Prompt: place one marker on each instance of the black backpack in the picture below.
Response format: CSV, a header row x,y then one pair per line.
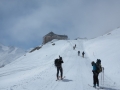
x,y
98,65
56,62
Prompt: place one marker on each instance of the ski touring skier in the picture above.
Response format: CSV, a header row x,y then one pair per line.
x,y
96,70
74,47
83,53
58,64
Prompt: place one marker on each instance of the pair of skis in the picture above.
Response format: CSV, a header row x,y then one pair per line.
x,y
96,87
59,78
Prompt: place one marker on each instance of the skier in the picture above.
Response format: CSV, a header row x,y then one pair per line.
x,y
95,74
78,53
58,64
75,45
83,54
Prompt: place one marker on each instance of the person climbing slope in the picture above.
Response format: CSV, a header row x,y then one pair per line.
x,y
95,75
97,68
58,64
83,53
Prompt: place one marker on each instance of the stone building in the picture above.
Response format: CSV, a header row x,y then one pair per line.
x,y
50,36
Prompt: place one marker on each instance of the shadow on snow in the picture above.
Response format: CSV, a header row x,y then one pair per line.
x,y
109,88
66,80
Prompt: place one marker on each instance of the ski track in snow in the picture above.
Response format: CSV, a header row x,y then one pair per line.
x,y
77,72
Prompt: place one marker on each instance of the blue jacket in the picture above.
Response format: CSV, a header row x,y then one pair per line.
x,y
94,67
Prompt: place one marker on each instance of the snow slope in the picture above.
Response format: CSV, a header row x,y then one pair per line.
x,y
9,54
36,70
106,48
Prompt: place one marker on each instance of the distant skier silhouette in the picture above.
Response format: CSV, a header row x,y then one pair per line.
x,y
83,53
74,47
78,53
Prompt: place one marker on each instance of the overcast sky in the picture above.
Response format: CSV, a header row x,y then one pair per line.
x,y
23,23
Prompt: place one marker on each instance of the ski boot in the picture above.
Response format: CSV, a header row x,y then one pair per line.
x,y
94,86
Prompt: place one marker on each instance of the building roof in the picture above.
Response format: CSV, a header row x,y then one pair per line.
x,y
51,34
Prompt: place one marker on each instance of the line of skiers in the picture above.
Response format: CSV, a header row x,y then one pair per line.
x,y
96,68
83,53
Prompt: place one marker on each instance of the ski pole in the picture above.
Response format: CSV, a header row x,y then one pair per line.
x,y
101,78
103,75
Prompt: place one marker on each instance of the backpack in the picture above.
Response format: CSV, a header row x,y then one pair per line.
x,y
98,65
56,62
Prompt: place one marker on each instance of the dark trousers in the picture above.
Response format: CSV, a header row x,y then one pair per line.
x,y
95,78
61,71
83,55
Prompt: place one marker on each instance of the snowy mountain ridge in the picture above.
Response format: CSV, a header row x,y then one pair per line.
x,y
36,70
9,54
